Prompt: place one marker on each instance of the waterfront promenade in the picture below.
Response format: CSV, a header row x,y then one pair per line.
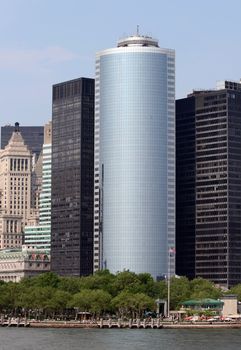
x,y
130,324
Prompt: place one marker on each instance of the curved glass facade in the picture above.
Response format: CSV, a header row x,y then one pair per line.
x,y
132,153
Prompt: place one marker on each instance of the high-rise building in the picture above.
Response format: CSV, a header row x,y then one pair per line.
x,y
72,177
39,236
185,187
15,190
134,219
33,137
209,184
37,170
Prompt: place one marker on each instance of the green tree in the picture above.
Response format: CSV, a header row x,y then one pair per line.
x,y
148,285
126,280
179,291
202,288
69,284
57,303
132,304
142,302
9,294
236,290
100,301
81,300
100,280
162,289
26,299
87,300
123,303
47,279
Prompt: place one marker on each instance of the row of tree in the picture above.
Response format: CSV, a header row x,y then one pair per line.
x,y
123,294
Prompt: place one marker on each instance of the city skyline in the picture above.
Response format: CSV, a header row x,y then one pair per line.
x,y
34,56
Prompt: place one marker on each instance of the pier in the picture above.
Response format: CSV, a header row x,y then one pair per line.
x,y
118,324
14,322
153,323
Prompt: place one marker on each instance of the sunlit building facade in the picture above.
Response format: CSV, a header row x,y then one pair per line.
x,y
134,219
39,236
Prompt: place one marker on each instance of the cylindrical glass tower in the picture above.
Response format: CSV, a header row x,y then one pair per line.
x,y
135,157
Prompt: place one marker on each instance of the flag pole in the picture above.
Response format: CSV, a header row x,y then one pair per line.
x,y
168,285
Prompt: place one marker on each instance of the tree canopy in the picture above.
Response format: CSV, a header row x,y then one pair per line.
x,y
124,294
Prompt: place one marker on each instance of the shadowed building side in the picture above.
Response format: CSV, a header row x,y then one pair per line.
x,y
72,177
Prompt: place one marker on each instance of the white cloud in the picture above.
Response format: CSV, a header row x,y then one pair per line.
x,y
29,60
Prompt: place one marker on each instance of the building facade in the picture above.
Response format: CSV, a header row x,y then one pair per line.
x,y
72,177
37,182
33,137
16,264
39,235
186,185
134,210
211,173
15,190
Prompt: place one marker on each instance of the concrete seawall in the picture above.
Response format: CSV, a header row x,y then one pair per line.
x,y
128,325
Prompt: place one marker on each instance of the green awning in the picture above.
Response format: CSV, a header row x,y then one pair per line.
x,y
204,302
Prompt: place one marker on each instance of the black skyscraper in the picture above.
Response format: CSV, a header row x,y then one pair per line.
x,y
185,194
33,136
209,184
72,177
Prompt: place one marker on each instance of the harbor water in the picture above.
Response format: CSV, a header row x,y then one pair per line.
x,y
119,339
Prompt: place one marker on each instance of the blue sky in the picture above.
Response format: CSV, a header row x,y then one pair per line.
x,y
43,42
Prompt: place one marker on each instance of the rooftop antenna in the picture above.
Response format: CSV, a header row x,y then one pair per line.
x,y
16,127
137,30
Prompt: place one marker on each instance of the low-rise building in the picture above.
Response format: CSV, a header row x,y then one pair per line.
x,y
23,262
230,305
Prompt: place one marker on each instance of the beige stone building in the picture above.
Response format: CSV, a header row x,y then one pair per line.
x,y
230,305
15,191
16,264
10,231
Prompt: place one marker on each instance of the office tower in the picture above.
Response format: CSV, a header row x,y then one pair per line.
x,y
134,222
185,186
33,137
39,235
72,177
209,184
15,190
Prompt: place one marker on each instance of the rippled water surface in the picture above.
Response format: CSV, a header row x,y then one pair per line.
x,y
118,339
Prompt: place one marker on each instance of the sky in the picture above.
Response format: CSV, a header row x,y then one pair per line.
x,y
43,42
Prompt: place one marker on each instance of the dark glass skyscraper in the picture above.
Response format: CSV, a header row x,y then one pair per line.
x,y
33,137
72,177
185,194
209,184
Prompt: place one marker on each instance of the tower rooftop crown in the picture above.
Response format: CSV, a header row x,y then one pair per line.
x,y
137,40
16,144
